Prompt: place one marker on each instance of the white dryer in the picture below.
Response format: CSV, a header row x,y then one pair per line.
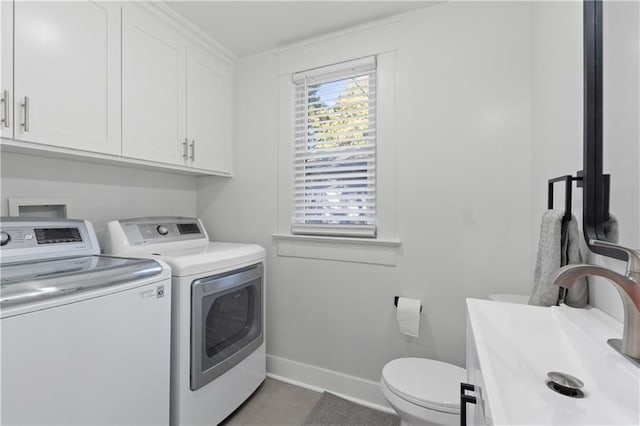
x,y
218,354
85,338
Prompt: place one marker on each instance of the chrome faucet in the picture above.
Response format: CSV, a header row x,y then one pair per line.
x,y
627,285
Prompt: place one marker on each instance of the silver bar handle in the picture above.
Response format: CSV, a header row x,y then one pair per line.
x,y
5,108
185,149
25,105
193,150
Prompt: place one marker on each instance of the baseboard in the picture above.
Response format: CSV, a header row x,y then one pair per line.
x,y
360,391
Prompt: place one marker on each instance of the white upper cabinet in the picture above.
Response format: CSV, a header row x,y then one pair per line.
x,y
153,89
209,109
176,97
127,83
67,74
6,73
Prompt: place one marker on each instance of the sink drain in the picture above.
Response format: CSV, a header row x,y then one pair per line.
x,y
565,384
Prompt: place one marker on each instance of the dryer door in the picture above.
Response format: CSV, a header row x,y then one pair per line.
x,y
226,322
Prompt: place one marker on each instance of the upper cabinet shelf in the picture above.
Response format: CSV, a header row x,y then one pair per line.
x,y
122,84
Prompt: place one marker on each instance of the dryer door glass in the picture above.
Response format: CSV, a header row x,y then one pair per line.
x,y
229,320
226,322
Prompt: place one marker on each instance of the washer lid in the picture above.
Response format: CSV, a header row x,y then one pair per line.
x,y
425,382
29,282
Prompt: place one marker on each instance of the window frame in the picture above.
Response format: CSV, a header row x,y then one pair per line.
x,y
377,39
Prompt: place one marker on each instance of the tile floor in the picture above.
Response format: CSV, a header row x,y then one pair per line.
x,y
275,403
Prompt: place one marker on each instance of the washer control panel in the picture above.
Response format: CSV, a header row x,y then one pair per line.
x,y
4,238
27,236
33,238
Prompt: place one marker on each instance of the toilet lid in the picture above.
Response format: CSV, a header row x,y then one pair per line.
x,y
425,382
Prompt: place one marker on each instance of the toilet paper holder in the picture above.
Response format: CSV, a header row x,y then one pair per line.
x,y
395,302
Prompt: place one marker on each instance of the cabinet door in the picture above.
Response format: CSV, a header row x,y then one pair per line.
x,y
153,89
209,109
6,72
67,74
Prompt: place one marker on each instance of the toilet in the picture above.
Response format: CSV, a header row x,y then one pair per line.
x,y
423,391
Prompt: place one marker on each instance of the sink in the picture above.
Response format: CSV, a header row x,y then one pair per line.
x,y
517,345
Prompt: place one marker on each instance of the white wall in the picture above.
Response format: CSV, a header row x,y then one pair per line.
x,y
556,90
98,192
463,196
557,95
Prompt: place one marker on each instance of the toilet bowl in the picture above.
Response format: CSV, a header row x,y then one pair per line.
x,y
423,391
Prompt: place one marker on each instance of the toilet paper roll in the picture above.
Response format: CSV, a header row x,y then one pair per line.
x,y
408,316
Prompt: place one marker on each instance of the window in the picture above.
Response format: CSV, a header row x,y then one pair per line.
x,y
334,176
297,235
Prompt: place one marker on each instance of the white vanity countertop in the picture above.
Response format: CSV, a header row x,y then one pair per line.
x,y
517,345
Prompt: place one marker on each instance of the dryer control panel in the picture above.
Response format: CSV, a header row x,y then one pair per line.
x,y
164,230
156,230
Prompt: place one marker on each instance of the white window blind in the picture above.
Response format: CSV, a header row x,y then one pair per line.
x,y
335,150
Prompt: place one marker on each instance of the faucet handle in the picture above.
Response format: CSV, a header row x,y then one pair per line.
x,y
633,264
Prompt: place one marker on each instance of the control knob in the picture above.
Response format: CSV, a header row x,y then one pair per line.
x,y
4,238
162,230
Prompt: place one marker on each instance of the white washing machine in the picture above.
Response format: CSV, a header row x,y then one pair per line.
x,y
85,338
218,354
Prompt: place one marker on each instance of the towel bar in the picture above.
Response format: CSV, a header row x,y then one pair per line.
x,y
567,179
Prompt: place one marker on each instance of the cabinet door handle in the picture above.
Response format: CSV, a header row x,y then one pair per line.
x,y
193,150
185,149
464,399
5,108
25,105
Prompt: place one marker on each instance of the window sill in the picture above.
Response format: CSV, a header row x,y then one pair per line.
x,y
342,249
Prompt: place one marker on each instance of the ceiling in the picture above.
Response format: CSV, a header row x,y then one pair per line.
x,y
248,27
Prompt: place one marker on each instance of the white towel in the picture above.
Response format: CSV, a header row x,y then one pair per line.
x,y
578,295
559,245
544,293
610,228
